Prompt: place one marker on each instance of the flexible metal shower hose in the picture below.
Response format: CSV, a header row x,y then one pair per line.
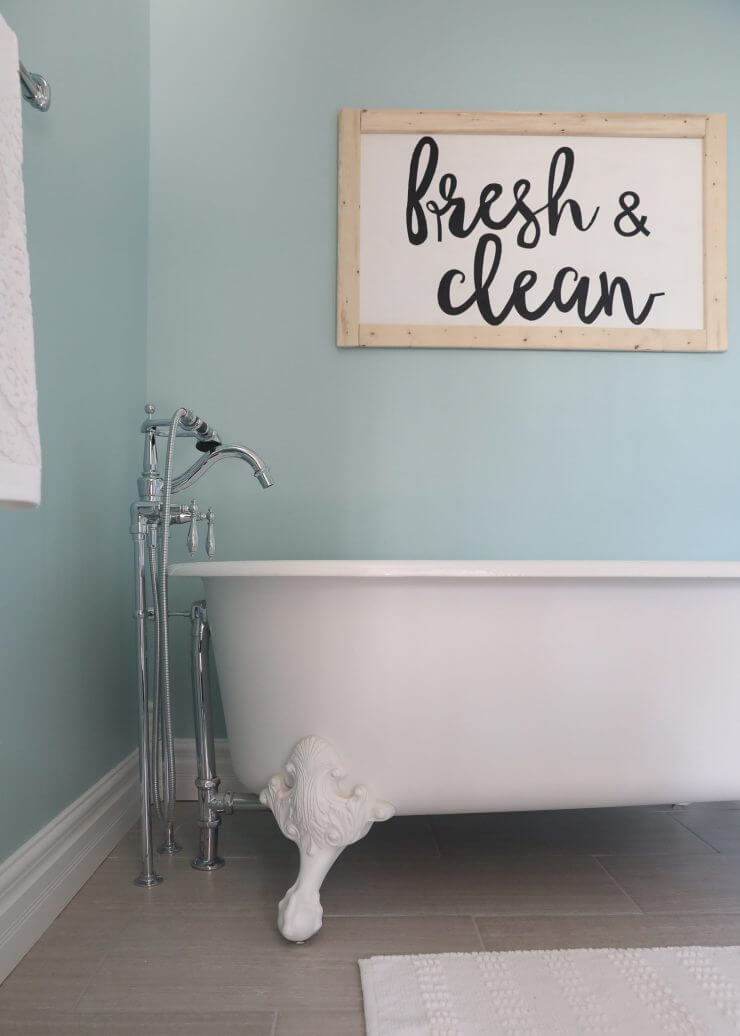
x,y
162,734
159,763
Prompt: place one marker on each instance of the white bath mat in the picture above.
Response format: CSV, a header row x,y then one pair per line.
x,y
689,989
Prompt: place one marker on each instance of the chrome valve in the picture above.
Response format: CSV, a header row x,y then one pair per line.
x,y
193,530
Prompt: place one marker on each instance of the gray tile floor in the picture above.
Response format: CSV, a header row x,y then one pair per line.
x,y
200,954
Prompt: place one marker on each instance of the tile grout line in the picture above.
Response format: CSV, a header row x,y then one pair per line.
x,y
703,840
435,841
624,891
96,971
478,932
93,975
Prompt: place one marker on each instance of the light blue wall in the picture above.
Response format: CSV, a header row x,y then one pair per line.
x,y
438,454
406,454
67,706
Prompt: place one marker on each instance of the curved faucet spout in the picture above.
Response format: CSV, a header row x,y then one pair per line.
x,y
197,470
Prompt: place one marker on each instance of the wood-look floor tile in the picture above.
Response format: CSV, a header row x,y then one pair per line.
x,y
46,982
584,831
237,936
392,887
470,885
249,834
719,827
123,960
241,937
719,804
679,807
248,886
679,884
286,980
509,885
552,933
163,1022
82,931
350,938
320,1023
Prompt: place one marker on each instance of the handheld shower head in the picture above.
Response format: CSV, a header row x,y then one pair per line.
x,y
207,436
208,445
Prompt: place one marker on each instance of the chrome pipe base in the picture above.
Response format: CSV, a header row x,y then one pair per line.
x,y
169,845
169,848
201,864
148,881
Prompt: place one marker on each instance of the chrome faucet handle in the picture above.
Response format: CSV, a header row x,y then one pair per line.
x,y
210,538
193,530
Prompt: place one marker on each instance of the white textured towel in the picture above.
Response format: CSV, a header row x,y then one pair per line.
x,y
687,989
20,454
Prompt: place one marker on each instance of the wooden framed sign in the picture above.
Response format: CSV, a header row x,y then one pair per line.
x,y
505,230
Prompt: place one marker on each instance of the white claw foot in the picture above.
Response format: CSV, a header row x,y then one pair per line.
x,y
313,811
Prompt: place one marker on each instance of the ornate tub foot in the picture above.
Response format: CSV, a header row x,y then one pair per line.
x,y
312,810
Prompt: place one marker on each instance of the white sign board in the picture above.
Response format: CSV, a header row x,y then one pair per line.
x,y
512,231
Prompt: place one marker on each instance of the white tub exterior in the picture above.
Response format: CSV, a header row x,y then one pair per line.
x,y
462,686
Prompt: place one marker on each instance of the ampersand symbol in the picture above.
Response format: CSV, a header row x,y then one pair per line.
x,y
629,200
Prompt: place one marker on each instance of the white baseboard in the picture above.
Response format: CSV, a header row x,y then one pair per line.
x,y
186,768
41,877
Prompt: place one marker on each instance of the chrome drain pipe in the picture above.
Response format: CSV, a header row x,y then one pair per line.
x,y
231,803
211,805
207,782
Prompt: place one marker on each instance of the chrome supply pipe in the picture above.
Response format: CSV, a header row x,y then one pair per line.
x,y
148,876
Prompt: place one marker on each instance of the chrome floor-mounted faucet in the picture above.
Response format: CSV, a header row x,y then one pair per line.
x,y
151,517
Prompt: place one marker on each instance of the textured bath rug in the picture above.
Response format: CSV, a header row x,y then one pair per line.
x,y
690,990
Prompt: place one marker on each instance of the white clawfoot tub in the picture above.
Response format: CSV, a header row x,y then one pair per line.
x,y
356,689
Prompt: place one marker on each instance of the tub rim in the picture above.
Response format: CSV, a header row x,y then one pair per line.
x,y
340,569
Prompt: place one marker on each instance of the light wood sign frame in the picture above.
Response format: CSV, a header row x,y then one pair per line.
x,y
708,332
